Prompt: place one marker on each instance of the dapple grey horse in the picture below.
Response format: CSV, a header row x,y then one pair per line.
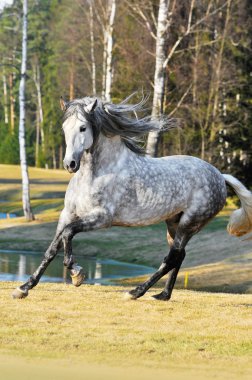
x,y
116,184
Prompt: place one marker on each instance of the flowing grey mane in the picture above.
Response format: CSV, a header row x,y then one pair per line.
x,y
119,120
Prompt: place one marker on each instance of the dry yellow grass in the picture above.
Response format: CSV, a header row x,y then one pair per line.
x,y
194,335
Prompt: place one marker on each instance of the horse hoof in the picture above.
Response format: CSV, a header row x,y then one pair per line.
x,y
78,276
163,296
128,296
19,293
132,295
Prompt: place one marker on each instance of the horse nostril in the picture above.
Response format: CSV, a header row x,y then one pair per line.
x,y
72,164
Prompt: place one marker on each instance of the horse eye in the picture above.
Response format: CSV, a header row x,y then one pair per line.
x,y
82,129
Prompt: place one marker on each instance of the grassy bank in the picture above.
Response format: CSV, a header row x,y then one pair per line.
x,y
204,333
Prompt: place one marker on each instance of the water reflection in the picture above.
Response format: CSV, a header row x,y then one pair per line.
x,y
4,215
17,266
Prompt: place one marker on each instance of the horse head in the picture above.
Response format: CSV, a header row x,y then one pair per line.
x,y
78,132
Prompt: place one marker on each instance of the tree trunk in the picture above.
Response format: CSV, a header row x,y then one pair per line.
x,y
107,54
37,139
160,73
61,157
54,158
12,104
24,169
93,65
218,73
71,81
6,115
40,115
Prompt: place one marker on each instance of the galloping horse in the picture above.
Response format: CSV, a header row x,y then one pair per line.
x,y
116,184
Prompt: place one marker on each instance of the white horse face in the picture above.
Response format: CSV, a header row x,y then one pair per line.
x,y
79,137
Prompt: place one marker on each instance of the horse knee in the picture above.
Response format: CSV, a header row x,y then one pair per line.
x,y
49,255
67,234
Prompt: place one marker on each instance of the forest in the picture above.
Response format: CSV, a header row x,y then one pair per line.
x,y
192,61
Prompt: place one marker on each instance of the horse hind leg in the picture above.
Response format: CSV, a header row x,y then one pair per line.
x,y
187,227
165,295
166,265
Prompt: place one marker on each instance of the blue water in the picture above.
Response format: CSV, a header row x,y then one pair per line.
x,y
4,215
19,265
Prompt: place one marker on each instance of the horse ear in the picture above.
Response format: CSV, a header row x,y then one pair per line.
x,y
90,107
63,104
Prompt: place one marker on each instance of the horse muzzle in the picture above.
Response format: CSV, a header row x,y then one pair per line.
x,y
72,166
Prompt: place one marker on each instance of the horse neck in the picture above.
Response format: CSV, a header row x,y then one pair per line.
x,y
108,154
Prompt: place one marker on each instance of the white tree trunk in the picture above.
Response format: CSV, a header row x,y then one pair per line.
x,y
37,139
40,116
6,116
93,65
160,70
12,103
108,41
24,169
218,72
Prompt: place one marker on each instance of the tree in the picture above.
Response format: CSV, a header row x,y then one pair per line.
x,y
160,72
22,146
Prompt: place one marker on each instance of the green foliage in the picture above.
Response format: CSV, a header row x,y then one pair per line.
x,y
9,147
59,45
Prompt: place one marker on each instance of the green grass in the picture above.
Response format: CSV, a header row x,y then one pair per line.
x,y
47,190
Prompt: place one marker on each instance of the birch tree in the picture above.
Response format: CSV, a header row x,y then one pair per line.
x,y
107,25
23,162
39,112
160,70
93,64
6,115
166,48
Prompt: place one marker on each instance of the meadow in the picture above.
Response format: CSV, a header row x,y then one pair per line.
x,y
60,331
92,328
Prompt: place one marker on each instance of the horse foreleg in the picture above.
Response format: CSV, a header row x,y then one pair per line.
x,y
76,271
22,291
95,220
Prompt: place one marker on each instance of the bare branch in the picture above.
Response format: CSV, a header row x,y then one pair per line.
x,y
180,101
199,46
191,28
137,9
190,17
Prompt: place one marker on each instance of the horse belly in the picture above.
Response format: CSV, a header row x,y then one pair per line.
x,y
147,209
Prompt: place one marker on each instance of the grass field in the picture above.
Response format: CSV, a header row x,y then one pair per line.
x,y
92,332
196,334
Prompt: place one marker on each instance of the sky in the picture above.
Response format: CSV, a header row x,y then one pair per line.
x,y
4,2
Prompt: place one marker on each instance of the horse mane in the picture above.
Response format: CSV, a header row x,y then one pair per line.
x,y
120,120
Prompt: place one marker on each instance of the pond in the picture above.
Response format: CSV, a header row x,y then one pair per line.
x,y
18,265
4,215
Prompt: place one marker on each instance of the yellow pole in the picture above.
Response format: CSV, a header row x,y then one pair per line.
x,y
186,280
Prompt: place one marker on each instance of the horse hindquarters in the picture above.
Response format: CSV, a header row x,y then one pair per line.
x,y
202,208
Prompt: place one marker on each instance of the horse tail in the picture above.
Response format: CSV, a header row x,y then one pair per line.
x,y
240,222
